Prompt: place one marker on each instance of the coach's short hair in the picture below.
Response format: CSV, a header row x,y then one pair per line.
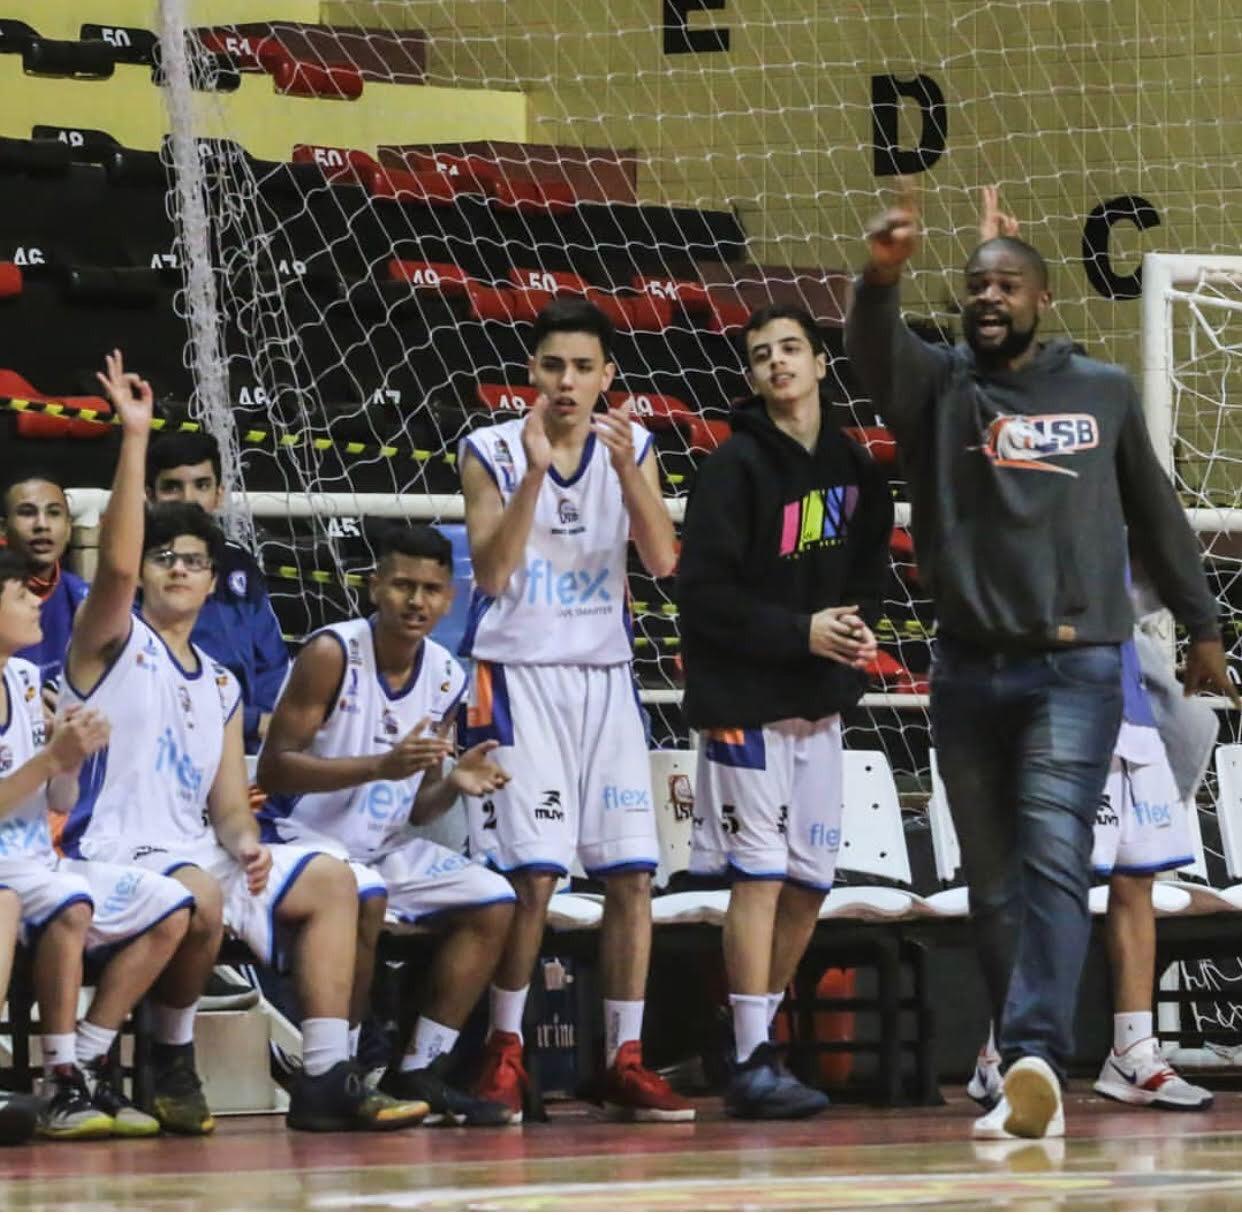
x,y
185,447
1028,254
416,540
166,521
572,314
782,312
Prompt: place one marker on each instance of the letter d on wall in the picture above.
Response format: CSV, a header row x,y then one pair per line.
x,y
886,94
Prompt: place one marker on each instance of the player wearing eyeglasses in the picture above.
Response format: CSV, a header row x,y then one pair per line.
x,y
170,793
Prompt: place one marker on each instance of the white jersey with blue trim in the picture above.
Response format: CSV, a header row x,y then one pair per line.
x,y
149,786
566,602
366,717
24,830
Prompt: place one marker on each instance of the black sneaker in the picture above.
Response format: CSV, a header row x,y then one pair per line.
x,y
69,1112
223,995
128,1122
19,1115
763,1088
449,1105
179,1103
341,1100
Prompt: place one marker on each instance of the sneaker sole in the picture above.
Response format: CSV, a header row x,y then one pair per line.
x,y
88,1130
1032,1101
1128,1095
627,1113
136,1130
325,1126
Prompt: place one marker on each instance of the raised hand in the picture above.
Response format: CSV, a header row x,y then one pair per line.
x,y
256,860
613,430
130,394
76,734
994,222
475,774
416,752
1207,671
840,634
893,236
535,442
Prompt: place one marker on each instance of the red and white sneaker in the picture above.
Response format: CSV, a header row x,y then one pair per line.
x,y
635,1094
503,1076
1141,1076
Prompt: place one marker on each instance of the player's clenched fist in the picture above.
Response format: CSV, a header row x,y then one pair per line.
x,y
893,236
76,734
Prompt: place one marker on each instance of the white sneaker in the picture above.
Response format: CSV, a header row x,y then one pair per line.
x,y
1030,1108
1141,1076
985,1085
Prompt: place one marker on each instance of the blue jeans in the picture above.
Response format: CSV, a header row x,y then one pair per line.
x,y
1023,743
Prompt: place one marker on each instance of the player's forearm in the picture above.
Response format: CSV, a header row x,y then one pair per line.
x,y
121,527
236,828
297,772
433,799
26,781
496,559
650,526
62,791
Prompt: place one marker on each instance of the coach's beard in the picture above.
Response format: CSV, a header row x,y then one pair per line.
x,y
1014,343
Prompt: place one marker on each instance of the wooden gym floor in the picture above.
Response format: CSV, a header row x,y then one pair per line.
x,y
853,1157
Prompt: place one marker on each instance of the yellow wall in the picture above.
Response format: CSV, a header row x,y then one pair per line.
x,y
1066,103
64,18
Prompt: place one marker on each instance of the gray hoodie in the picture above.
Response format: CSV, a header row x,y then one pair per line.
x,y
1022,485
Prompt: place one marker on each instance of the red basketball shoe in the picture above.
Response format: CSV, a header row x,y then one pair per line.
x,y
636,1094
503,1077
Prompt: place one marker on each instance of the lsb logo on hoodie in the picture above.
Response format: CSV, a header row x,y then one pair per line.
x,y
1022,440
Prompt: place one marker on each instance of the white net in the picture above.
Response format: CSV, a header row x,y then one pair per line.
x,y
381,250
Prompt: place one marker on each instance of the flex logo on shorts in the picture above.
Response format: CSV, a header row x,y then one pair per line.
x,y
818,520
823,836
1153,814
633,800
572,589
1022,441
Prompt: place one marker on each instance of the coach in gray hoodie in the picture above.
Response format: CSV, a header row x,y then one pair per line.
x,y
1027,463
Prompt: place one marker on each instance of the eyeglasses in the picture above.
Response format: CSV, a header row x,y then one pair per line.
x,y
166,558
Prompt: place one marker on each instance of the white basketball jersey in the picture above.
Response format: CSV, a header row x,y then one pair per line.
x,y
24,830
366,717
566,602
149,786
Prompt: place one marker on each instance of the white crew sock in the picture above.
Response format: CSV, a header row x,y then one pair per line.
x,y
325,1043
750,1023
173,1026
93,1041
58,1049
430,1041
507,1008
623,1022
775,1000
1129,1028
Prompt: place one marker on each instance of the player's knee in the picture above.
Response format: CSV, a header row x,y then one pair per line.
x,y
207,917
171,930
629,889
492,920
72,922
328,883
10,907
533,888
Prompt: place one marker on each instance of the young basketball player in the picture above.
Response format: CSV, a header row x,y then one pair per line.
x,y
552,500
353,758
170,794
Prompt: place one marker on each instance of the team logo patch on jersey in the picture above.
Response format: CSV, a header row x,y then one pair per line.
x,y
569,517
505,468
238,583
1022,441
183,699
390,722
6,758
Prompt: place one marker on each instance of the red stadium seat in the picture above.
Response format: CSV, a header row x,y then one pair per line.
x,y
338,164
507,396
298,79
434,189
878,440
886,670
442,276
555,282
48,426
249,52
658,411
691,296
505,304
643,313
524,194
901,544
10,280
727,311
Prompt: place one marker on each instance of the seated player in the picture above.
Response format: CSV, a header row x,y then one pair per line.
x,y
37,526
170,794
69,906
1141,828
552,500
237,625
353,763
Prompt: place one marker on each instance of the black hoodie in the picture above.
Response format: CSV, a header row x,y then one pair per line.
x,y
773,533
1022,487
